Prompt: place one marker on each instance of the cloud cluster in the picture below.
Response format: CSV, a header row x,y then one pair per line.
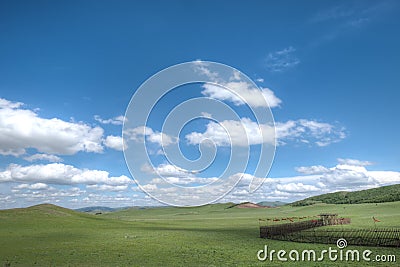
x,y
236,89
38,183
58,173
21,129
142,133
114,142
43,157
241,93
317,180
303,131
309,131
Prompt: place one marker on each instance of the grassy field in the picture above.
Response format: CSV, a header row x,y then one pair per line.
x,y
212,235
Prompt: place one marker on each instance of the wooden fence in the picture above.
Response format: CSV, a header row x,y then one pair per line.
x,y
311,231
379,237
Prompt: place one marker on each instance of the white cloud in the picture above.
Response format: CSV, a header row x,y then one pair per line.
x,y
342,177
282,60
36,186
309,131
149,187
319,180
119,120
318,169
4,103
339,177
106,187
238,133
114,142
58,173
242,92
166,170
349,175
175,175
137,134
47,157
206,114
230,131
354,162
236,89
186,180
296,187
21,129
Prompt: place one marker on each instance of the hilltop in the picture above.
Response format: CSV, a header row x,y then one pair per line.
x,y
388,193
272,203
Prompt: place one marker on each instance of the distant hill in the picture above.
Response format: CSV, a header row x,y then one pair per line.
x,y
388,193
244,205
95,209
271,203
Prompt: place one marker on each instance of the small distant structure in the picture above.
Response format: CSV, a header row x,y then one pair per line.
x,y
305,231
329,218
98,213
333,219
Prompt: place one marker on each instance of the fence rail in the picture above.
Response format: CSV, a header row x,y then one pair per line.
x,y
308,233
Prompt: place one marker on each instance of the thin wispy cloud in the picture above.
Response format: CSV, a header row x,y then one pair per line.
x,y
282,60
347,17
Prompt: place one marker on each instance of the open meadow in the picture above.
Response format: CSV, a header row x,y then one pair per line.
x,y
212,235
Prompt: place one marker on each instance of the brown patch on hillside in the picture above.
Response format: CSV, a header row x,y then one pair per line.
x,y
251,205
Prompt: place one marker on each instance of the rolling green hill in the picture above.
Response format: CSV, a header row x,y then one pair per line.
x,y
375,195
271,203
211,235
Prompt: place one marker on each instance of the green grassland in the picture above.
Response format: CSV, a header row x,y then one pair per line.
x,y
212,235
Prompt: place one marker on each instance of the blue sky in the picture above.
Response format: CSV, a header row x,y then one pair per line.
x,y
68,70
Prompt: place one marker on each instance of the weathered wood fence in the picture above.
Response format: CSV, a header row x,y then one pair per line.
x,y
378,237
310,231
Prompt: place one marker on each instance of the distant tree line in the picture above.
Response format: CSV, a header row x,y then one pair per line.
x,y
375,195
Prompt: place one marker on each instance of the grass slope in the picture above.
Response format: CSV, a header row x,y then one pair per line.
x,y
212,235
375,195
271,203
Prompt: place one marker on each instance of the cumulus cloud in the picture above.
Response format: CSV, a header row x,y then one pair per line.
x,y
184,180
119,120
36,186
242,93
318,169
4,103
175,175
141,133
317,180
61,174
342,177
44,157
349,174
247,132
238,133
166,170
236,89
114,142
328,179
21,129
106,187
309,131
296,187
